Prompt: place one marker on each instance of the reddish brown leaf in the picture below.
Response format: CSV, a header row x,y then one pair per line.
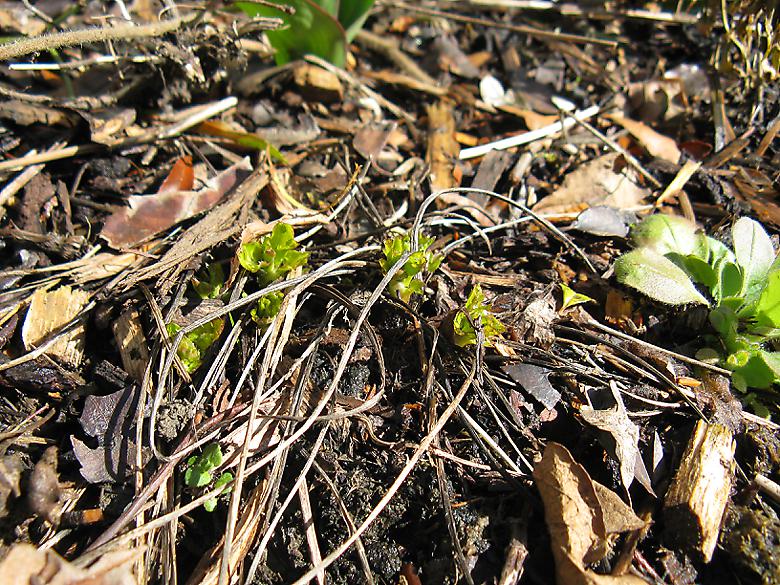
x,y
181,177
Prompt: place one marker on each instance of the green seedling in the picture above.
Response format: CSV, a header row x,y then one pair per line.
x,y
476,312
674,263
571,298
267,308
210,284
196,343
199,470
272,256
319,27
408,280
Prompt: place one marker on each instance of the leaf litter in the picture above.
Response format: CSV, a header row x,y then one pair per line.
x,y
361,439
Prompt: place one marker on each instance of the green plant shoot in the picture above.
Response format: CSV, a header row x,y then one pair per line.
x,y
674,263
209,285
476,312
196,343
570,298
408,280
199,470
320,27
267,308
272,256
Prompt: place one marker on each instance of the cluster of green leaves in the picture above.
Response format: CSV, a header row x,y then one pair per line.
x,y
319,27
476,312
267,308
272,256
674,263
408,280
196,343
210,284
199,474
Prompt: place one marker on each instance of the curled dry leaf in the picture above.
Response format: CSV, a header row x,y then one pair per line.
x,y
26,565
657,144
581,517
10,473
148,215
595,183
534,380
624,435
107,419
43,487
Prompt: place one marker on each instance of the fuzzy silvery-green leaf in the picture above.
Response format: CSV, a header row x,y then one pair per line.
x,y
755,254
669,233
657,277
718,251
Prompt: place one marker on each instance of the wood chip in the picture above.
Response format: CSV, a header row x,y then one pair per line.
x,y
697,498
48,312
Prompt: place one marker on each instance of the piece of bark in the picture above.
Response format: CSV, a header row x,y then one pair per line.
x,y
697,498
490,170
48,312
132,344
317,84
443,149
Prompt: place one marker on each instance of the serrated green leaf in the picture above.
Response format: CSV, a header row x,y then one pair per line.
x,y
669,233
310,30
657,277
755,254
572,297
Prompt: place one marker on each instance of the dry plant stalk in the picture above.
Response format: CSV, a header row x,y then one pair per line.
x,y
89,35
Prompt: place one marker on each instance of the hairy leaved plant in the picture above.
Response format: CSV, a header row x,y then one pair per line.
x,y
677,264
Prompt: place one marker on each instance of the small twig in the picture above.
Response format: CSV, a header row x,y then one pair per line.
x,y
526,137
89,35
527,30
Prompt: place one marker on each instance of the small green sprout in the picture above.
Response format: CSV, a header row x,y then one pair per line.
x,y
199,472
572,298
407,281
676,264
476,312
209,285
196,343
272,256
267,308
321,27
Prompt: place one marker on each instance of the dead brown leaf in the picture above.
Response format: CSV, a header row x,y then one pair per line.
x,y
26,565
657,144
580,525
148,215
595,183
